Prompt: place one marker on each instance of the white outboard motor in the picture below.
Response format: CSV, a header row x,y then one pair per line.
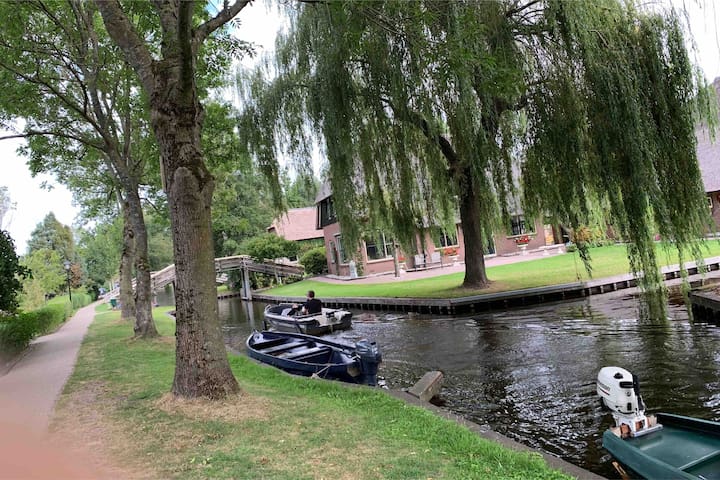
x,y
619,391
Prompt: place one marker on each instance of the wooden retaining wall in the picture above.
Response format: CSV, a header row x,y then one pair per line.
x,y
500,300
705,306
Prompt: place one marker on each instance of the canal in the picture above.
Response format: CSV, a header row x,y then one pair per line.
x,y
530,373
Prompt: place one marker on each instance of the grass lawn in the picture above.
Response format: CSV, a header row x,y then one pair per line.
x,y
567,268
281,427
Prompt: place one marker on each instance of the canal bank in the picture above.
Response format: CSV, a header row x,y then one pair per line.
x,y
529,372
487,433
502,300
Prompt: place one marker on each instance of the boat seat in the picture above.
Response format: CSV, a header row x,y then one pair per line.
x,y
308,352
285,346
269,343
703,459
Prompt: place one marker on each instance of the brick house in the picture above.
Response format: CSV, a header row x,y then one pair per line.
x,y
298,225
376,252
708,154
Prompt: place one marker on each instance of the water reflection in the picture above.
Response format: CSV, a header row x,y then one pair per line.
x,y
529,373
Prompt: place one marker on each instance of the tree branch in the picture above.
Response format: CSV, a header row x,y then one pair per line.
x,y
126,37
519,8
225,15
54,133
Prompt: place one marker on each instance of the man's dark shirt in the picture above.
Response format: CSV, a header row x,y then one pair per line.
x,y
313,305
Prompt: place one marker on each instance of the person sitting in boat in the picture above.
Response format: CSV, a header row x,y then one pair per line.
x,y
311,306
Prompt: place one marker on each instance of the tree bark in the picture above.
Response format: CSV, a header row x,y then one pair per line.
x,y
144,323
475,274
201,368
127,258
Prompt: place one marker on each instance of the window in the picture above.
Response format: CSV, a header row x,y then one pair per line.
x,y
441,238
709,202
326,213
378,246
342,252
518,225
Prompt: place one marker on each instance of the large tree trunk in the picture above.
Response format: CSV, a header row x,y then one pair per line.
x,y
144,323
127,258
475,275
201,364
202,368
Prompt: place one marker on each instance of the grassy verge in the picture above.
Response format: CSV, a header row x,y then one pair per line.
x,y
281,427
606,262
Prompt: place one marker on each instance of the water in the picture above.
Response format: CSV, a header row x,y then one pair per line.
x,y
530,373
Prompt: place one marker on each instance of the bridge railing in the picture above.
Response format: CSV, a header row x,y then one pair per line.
x,y
222,264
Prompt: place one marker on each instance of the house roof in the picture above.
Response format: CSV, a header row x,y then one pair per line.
x,y
324,191
296,224
708,153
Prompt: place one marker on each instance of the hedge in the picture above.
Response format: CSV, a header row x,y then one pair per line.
x,y
17,330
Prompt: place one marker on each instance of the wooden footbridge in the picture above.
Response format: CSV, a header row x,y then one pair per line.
x,y
223,265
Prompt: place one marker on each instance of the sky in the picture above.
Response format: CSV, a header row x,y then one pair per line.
x,y
258,25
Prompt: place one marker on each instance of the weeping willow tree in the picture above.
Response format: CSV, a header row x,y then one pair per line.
x,y
572,110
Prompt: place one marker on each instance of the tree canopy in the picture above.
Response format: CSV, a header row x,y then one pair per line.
x,y
10,273
575,110
50,234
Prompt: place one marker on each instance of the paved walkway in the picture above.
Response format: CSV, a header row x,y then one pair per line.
x,y
444,270
28,392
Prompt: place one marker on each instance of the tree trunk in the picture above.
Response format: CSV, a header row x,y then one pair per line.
x,y
475,275
127,300
202,368
201,364
144,323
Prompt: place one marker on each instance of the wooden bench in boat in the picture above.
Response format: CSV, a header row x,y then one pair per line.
x,y
285,346
305,353
269,343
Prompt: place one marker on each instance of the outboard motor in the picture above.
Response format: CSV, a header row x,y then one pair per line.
x,y
370,359
619,391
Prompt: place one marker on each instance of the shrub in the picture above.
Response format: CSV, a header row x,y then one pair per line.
x,y
314,261
80,299
50,316
16,331
269,246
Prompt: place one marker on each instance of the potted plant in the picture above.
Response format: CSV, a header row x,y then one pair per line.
x,y
522,243
450,252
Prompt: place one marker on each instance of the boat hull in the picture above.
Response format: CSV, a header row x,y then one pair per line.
x,y
328,321
685,448
308,355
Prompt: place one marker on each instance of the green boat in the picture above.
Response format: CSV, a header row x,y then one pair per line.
x,y
684,447
655,446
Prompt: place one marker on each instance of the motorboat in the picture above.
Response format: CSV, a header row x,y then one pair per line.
x,y
283,317
655,446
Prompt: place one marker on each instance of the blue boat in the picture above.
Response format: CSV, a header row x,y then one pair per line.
x,y
655,446
307,355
